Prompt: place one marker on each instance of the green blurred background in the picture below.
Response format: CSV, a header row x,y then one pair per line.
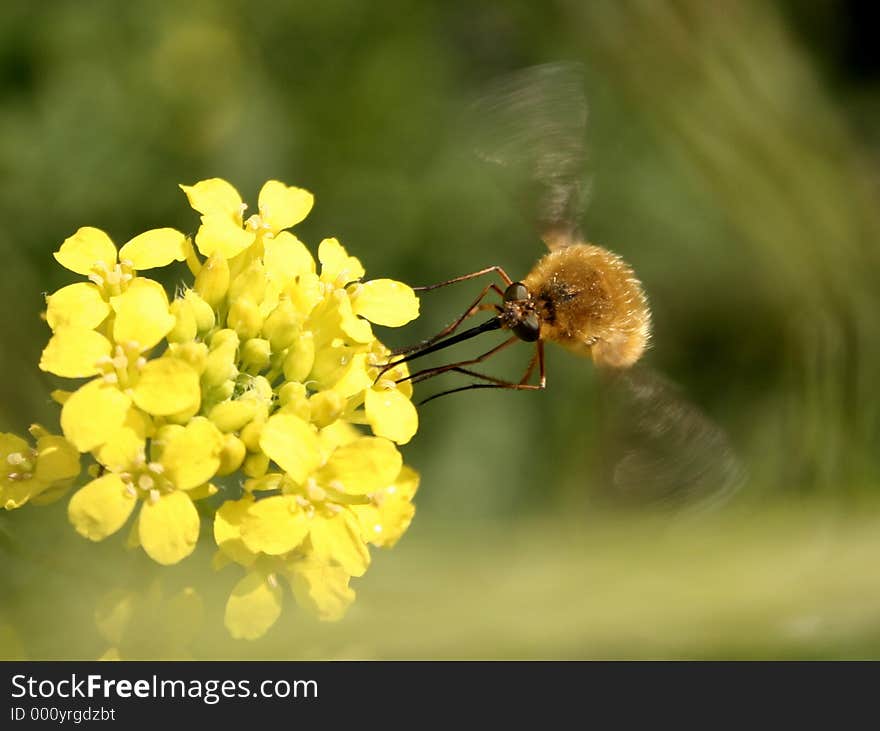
x,y
733,160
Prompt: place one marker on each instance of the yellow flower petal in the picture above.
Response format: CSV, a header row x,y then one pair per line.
x,y
390,414
84,249
169,528
122,447
337,539
384,521
333,436
73,352
167,386
253,607
220,235
274,526
227,530
321,589
155,248
51,494
353,378
283,206
385,302
407,483
286,257
101,507
356,328
142,314
333,364
11,444
394,375
57,459
306,293
292,444
364,465
191,457
384,525
76,305
14,494
214,195
93,414
337,267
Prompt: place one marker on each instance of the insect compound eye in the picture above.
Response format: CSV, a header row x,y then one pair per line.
x,y
529,328
516,292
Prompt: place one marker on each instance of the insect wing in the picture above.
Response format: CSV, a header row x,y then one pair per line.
x,y
532,125
660,449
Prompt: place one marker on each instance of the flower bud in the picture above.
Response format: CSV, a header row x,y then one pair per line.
x,y
294,400
220,365
250,284
231,455
245,318
255,465
233,416
212,281
326,407
250,435
196,354
260,389
300,358
204,315
255,355
184,329
282,326
224,337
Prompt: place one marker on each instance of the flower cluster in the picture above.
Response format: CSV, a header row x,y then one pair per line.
x,y
258,385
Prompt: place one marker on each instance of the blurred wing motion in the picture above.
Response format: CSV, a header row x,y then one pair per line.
x,y
533,125
660,449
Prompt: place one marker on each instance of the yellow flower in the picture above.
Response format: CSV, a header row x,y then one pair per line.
x,y
390,511
264,368
224,230
182,462
339,491
90,252
255,602
38,473
388,408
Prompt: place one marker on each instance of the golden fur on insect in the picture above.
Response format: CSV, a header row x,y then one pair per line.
x,y
589,301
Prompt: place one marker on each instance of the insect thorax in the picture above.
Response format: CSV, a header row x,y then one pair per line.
x,y
589,299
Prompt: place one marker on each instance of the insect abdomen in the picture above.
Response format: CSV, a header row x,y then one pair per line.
x,y
590,301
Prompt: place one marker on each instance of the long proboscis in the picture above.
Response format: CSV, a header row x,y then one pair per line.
x,y
488,326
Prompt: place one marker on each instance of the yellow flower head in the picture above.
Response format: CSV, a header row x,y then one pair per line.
x,y
37,474
182,460
263,371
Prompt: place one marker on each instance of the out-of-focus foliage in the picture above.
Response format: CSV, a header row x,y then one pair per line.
x,y
732,161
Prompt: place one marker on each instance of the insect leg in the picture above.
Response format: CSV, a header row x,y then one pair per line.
x,y
431,372
473,275
537,358
476,306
